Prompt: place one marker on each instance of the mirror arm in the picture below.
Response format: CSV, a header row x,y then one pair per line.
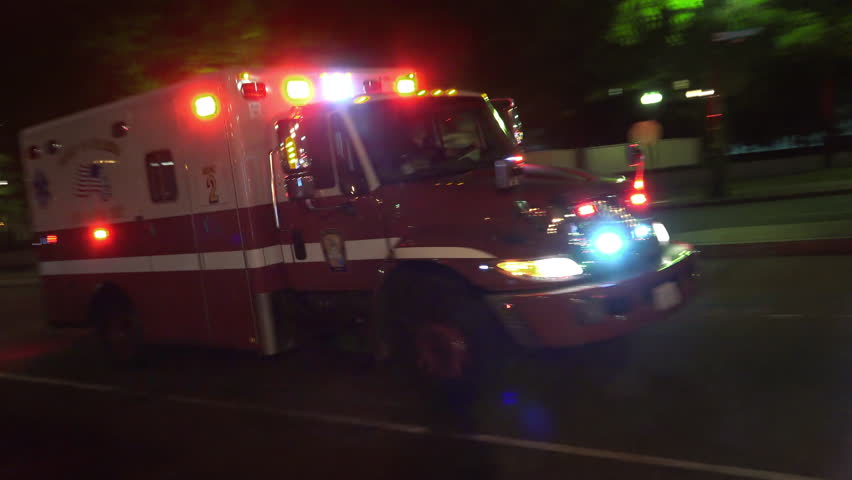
x,y
273,188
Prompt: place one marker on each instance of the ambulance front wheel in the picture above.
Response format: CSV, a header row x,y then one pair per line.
x,y
119,330
442,330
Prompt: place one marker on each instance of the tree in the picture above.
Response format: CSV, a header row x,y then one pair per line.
x,y
787,53
13,217
157,43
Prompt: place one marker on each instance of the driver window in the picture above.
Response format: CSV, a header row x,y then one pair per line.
x,y
352,179
461,136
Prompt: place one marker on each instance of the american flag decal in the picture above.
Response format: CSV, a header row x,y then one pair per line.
x,y
90,180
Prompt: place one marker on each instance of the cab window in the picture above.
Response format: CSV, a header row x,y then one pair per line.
x,y
420,137
352,179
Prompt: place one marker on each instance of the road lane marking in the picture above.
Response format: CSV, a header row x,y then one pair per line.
x,y
497,440
57,382
303,415
636,458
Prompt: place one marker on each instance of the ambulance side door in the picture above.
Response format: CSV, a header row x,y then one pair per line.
x,y
337,238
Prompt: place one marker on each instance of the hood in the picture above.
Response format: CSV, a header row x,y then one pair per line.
x,y
539,185
469,208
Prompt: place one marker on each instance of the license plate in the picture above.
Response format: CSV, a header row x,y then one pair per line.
x,y
666,296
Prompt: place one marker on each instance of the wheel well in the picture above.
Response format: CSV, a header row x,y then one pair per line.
x,y
421,267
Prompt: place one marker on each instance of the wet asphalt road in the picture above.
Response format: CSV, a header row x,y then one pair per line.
x,y
751,380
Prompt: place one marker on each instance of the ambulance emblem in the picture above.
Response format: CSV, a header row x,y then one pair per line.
x,y
41,187
334,249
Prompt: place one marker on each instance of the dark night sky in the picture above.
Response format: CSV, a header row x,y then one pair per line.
x,y
547,54
513,49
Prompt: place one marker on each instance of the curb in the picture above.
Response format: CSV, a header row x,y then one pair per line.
x,y
822,246
736,201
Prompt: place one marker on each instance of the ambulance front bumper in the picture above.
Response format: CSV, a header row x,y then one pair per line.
x,y
579,314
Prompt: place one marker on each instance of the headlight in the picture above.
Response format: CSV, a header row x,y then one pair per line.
x,y
642,232
555,268
608,242
661,233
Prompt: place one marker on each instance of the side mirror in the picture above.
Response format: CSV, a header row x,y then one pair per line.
x,y
300,187
508,110
506,173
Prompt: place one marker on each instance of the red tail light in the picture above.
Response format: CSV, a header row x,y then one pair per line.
x,y
586,209
100,234
51,239
639,184
638,199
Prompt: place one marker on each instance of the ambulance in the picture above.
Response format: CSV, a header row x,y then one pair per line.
x,y
253,209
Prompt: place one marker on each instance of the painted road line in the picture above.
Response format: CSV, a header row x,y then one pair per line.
x,y
303,415
412,429
636,458
58,382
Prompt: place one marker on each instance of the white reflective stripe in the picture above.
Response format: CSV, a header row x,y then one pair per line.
x,y
255,258
175,263
440,252
369,249
223,260
96,265
314,253
372,249
286,253
272,255
263,257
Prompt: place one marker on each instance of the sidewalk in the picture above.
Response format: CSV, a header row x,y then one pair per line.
x,y
814,238
835,181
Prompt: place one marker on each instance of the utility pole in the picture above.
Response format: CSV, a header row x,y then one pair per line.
x,y
717,148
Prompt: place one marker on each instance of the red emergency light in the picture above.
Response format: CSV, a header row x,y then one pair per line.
x,y
586,210
373,86
100,234
253,90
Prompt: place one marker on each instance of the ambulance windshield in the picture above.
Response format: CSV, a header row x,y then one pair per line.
x,y
410,138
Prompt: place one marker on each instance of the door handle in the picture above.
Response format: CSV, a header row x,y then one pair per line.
x,y
347,206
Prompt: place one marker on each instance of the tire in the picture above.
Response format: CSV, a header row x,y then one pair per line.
x,y
442,332
119,332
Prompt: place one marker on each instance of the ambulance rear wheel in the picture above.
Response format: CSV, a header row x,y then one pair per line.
x,y
444,333
119,332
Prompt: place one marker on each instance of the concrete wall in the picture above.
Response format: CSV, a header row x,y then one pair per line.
x,y
674,152
555,158
609,159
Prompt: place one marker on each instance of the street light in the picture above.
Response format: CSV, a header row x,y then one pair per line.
x,y
651,98
699,93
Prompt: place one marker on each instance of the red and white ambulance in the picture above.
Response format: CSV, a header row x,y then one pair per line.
x,y
242,209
